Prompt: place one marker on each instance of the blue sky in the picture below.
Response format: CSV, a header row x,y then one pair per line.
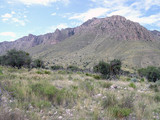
x,y
21,17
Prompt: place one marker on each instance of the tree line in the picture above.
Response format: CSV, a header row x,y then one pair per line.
x,y
19,59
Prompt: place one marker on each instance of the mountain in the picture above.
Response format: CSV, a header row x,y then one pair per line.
x,y
155,32
96,39
32,40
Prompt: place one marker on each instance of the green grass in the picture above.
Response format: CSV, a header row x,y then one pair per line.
x,y
132,85
119,112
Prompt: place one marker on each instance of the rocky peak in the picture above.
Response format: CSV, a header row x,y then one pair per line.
x,y
155,32
116,18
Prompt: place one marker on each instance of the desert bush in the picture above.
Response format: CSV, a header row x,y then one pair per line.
x,y
133,79
56,67
109,101
132,85
115,66
157,97
54,95
128,101
128,79
43,72
1,73
151,73
41,104
88,74
39,72
88,87
154,87
158,83
98,77
47,72
38,63
103,68
119,112
62,72
106,69
142,80
73,68
106,84
16,58
13,115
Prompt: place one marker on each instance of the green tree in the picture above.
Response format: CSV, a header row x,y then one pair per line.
x,y
38,63
151,73
103,68
115,66
16,58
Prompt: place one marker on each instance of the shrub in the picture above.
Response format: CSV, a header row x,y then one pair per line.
x,y
128,79
56,67
154,87
158,82
38,63
42,104
132,85
62,72
73,68
39,72
96,77
88,74
142,80
106,84
54,95
133,80
88,87
16,58
47,72
108,69
128,101
1,73
151,73
109,101
115,66
119,112
103,68
157,97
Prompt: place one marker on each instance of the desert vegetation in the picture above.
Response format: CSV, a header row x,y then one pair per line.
x,y
60,93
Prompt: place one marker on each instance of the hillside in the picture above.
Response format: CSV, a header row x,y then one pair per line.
x,y
105,39
30,41
96,39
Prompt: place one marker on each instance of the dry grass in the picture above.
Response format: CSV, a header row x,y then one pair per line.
x,y
76,96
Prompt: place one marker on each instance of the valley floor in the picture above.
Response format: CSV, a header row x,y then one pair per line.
x,y
41,94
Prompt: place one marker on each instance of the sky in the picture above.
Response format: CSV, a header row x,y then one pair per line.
x,y
19,18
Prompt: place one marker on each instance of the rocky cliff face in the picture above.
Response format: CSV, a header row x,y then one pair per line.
x,y
114,27
33,40
155,32
117,27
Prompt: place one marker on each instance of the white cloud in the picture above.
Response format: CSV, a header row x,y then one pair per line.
x,y
8,34
21,22
96,12
42,2
134,10
6,17
14,18
53,14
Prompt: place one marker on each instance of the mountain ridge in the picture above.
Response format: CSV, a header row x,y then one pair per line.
x,y
94,40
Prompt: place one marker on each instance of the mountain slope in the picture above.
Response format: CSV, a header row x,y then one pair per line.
x,y
100,39
32,40
104,39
